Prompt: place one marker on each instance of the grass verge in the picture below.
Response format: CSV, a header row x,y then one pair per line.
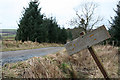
x,y
61,65
18,45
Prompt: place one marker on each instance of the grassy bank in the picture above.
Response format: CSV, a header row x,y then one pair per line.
x,y
61,65
18,45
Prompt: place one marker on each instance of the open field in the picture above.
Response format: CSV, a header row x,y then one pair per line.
x,y
8,30
18,45
8,34
61,65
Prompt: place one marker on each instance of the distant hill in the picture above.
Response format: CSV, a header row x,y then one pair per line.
x,y
75,32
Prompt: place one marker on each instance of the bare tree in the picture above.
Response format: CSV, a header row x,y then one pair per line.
x,y
86,18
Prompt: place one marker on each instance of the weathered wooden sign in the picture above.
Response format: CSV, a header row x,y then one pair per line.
x,y
87,40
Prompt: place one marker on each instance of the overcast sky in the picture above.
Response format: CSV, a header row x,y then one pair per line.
x,y
63,10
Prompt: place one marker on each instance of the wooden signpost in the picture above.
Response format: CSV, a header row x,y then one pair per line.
x,y
87,41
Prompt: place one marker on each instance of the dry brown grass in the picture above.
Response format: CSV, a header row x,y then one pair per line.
x,y
18,45
61,65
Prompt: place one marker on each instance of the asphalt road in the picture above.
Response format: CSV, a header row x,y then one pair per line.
x,y
21,55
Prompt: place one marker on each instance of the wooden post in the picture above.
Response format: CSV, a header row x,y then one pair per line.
x,y
96,59
99,64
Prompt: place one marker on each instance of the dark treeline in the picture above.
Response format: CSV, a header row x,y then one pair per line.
x,y
34,26
115,27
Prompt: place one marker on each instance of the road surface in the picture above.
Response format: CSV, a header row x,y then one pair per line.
x,y
21,55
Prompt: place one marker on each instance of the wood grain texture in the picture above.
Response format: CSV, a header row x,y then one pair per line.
x,y
87,40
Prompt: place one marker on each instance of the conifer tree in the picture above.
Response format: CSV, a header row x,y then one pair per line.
x,y
30,24
70,35
115,26
63,36
34,26
52,31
